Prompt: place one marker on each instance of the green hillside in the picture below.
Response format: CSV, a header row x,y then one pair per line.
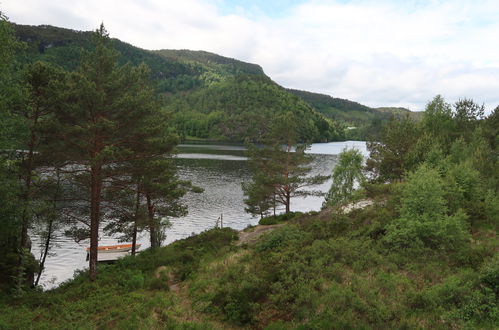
x,y
210,96
216,97
211,60
173,70
401,112
349,111
243,107
319,271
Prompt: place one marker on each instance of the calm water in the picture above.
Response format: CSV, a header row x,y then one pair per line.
x,y
219,169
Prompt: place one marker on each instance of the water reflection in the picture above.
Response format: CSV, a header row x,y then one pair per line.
x,y
219,169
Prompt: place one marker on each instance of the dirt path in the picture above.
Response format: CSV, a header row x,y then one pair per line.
x,y
250,236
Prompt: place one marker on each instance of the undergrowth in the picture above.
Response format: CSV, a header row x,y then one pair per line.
x,y
312,273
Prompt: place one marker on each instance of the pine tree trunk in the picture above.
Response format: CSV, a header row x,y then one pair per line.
x,y
28,176
45,252
274,204
134,238
96,189
288,201
49,229
137,206
152,223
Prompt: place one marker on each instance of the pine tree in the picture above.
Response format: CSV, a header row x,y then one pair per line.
x,y
282,165
105,125
44,89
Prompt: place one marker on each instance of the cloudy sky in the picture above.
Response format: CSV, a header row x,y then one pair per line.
x,y
379,53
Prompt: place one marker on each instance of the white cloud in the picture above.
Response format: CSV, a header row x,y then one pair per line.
x,y
380,53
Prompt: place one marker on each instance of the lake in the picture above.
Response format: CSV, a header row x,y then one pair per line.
x,y
219,169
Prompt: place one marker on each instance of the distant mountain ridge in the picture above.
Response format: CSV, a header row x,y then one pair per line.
x,y
349,111
175,70
210,59
210,96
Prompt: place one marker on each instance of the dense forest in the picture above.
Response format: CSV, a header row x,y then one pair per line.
x,y
199,79
359,122
406,238
210,96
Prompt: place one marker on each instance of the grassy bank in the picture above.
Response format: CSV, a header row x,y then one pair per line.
x,y
322,271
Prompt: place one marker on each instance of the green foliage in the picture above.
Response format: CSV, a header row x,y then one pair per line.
x,y
329,273
423,195
347,173
279,238
184,255
275,219
128,293
9,186
280,168
244,107
11,90
465,297
131,279
423,221
18,264
222,98
260,195
393,154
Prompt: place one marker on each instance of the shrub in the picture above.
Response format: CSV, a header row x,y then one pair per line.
x,y
489,274
238,291
275,219
160,280
281,237
423,222
131,279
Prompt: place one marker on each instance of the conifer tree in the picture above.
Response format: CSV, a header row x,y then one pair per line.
x,y
145,198
282,165
106,124
44,89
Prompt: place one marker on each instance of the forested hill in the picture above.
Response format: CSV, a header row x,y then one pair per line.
x,y
174,70
211,60
215,97
211,96
349,111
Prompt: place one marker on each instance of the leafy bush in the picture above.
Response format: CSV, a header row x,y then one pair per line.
x,y
183,255
234,294
423,221
346,174
275,219
131,279
489,274
282,237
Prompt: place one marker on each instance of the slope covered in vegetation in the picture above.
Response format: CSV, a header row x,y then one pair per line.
x,y
220,98
322,271
174,70
422,254
243,107
364,122
348,111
